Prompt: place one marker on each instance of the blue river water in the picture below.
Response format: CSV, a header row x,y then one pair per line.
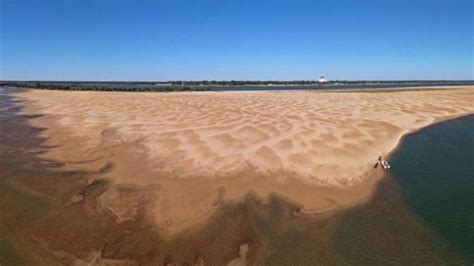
x,y
435,169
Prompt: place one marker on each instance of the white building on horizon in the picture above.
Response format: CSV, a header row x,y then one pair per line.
x,y
323,79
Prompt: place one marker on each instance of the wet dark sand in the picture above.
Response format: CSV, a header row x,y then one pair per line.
x,y
39,225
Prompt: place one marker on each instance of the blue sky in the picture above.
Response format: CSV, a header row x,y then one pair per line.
x,y
224,40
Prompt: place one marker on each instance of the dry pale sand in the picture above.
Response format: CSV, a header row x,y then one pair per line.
x,y
186,153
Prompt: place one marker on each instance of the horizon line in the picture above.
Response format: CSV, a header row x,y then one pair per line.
x,y
231,80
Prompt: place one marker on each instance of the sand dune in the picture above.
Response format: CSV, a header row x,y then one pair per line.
x,y
192,149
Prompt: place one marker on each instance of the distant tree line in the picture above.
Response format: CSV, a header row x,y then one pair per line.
x,y
40,86
201,85
243,82
292,82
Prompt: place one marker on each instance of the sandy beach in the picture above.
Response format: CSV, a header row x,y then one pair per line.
x,y
186,153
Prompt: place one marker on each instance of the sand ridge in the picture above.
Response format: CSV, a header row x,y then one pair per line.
x,y
315,139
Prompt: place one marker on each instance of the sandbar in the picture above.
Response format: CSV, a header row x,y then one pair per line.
x,y
185,153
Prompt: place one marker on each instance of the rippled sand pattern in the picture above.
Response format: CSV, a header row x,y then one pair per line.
x,y
328,139
320,137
